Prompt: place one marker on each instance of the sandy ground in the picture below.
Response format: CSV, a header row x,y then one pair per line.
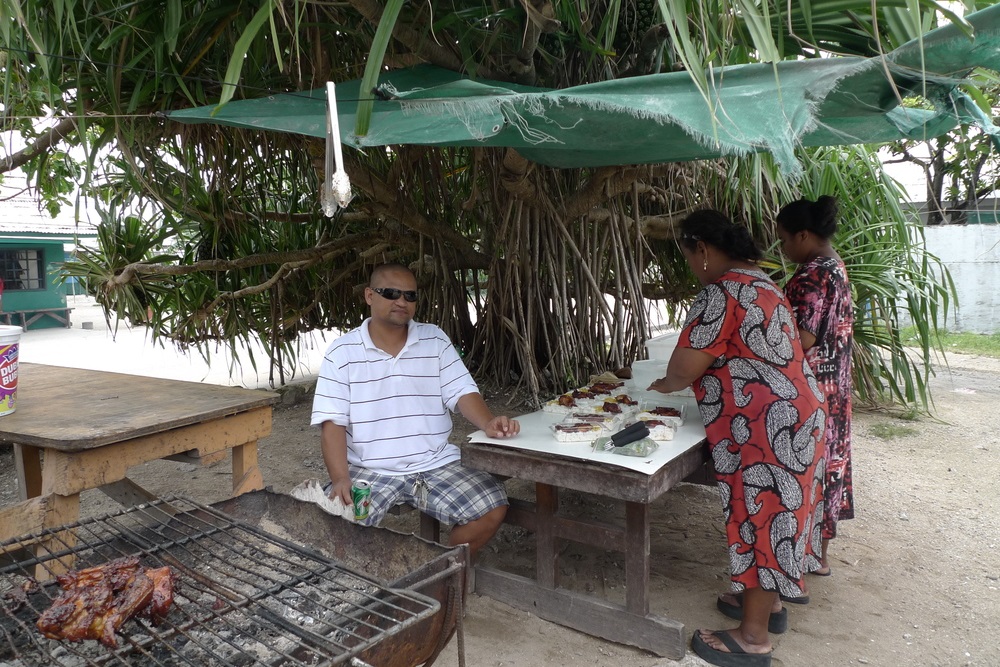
x,y
916,575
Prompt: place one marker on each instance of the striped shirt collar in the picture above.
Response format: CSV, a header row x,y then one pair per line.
x,y
411,337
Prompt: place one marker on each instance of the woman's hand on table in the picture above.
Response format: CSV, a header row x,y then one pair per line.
x,y
502,427
686,365
661,385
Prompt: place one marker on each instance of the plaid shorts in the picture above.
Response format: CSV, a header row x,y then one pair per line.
x,y
452,494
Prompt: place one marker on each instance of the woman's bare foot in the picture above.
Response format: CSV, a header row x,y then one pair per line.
x,y
825,570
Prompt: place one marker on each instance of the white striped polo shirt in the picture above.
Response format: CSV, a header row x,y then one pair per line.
x,y
395,408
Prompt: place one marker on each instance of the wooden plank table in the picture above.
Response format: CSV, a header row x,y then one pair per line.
x,y
629,624
77,429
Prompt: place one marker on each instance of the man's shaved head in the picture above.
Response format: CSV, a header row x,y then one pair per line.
x,y
383,269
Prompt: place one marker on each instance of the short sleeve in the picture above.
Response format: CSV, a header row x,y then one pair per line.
x,y
708,327
456,381
332,398
808,293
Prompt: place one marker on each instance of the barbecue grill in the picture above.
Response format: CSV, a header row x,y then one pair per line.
x,y
262,579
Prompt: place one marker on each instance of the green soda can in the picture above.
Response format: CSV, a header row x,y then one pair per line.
x,y
361,494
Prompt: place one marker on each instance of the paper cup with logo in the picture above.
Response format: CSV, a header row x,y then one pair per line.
x,y
10,343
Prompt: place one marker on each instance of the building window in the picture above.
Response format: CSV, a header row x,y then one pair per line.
x,y
22,269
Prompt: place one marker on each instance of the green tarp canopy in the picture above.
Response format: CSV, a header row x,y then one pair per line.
x,y
661,117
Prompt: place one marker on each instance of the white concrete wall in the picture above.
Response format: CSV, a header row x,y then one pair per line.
x,y
972,255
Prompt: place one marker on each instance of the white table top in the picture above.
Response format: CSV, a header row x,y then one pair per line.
x,y
536,435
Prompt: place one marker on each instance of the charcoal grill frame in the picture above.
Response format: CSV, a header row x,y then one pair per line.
x,y
189,537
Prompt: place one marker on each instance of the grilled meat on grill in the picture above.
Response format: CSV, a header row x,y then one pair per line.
x,y
78,613
97,601
115,573
133,598
163,593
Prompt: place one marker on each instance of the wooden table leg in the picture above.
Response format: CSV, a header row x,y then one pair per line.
x,y
637,558
246,474
546,555
62,509
28,463
631,624
430,528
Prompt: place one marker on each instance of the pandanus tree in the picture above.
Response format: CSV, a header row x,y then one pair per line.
x,y
541,275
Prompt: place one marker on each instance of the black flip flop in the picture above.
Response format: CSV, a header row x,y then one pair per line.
x,y
736,657
777,622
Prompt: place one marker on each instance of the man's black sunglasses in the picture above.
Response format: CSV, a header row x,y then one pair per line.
x,y
392,293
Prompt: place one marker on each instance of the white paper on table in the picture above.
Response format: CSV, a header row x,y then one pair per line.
x,y
536,436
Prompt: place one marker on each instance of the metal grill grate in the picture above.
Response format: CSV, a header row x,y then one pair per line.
x,y
243,595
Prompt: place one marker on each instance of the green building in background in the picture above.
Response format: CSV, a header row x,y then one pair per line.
x,y
33,246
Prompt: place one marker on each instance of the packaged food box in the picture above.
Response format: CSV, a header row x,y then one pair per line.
x,y
672,413
577,432
605,388
660,429
609,422
576,400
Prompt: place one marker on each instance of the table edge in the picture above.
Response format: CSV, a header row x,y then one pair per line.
x,y
549,468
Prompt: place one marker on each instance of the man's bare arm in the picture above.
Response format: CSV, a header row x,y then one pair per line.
x,y
474,408
334,444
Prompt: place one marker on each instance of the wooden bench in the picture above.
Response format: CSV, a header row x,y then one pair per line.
x,y
28,317
430,528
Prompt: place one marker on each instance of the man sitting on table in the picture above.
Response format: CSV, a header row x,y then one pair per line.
x,y
383,398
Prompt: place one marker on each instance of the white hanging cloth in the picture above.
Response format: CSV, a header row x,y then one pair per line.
x,y
336,185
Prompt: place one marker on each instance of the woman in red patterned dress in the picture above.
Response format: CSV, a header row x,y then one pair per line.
x,y
764,419
820,294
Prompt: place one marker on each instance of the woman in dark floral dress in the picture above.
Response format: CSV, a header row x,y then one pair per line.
x,y
820,294
764,418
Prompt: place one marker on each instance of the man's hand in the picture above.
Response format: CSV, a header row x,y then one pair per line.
x,y
502,427
342,488
473,407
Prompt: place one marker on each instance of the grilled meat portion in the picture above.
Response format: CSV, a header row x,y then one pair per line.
x,y
97,601
78,613
133,599
163,593
115,574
